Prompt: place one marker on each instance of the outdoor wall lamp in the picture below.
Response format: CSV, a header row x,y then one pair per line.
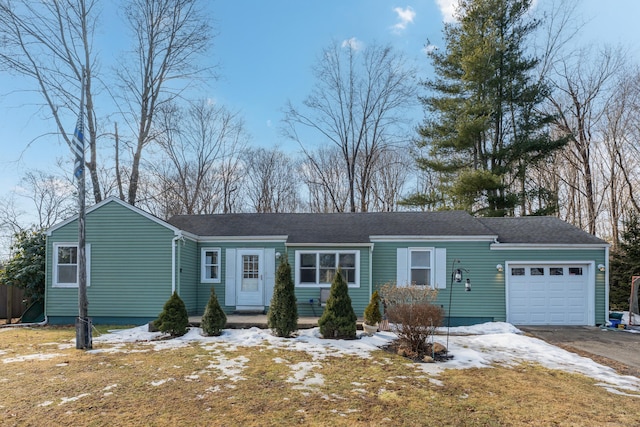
x,y
467,285
457,276
278,255
499,268
601,267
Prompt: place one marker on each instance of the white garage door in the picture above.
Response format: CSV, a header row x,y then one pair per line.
x,y
548,294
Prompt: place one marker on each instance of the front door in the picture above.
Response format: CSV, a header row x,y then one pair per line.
x,y
250,292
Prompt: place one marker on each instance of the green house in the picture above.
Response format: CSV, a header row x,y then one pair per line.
x,y
526,271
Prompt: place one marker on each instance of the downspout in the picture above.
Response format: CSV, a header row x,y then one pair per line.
x,y
371,269
174,243
606,283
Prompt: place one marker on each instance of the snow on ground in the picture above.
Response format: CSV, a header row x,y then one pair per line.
x,y
477,346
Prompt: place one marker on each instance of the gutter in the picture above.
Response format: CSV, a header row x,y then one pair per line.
x,y
19,325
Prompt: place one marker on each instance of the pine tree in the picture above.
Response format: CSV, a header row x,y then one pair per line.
x,y
339,319
483,129
213,320
174,318
372,311
283,312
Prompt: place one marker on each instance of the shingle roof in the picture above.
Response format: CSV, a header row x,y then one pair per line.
x,y
334,227
538,230
359,227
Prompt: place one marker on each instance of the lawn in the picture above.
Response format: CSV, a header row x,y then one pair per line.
x,y
46,381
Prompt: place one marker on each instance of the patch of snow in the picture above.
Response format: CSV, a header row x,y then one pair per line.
x,y
38,356
477,346
72,399
160,382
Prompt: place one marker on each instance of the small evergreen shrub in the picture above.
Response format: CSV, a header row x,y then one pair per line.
x,y
372,313
174,318
413,316
282,318
339,319
213,320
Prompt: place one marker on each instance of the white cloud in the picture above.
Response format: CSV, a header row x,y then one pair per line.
x,y
352,43
405,17
447,9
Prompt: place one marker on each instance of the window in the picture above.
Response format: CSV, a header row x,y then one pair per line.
x,y
556,271
575,271
517,271
318,268
537,271
65,265
210,265
420,267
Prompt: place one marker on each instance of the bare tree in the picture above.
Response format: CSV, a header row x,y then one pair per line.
x,y
195,142
389,180
271,181
170,37
326,180
581,92
50,42
356,105
52,197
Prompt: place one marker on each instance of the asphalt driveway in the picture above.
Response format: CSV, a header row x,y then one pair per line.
x,y
618,349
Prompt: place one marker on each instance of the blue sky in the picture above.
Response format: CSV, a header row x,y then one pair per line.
x,y
266,49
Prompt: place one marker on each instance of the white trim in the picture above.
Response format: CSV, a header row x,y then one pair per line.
x,y
546,246
590,275
240,252
432,256
412,239
330,245
121,203
54,257
203,264
242,239
318,283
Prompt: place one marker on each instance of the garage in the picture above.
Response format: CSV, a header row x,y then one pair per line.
x,y
550,293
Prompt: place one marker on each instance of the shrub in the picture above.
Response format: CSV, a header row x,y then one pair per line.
x,y
174,318
213,319
372,313
339,319
282,318
413,316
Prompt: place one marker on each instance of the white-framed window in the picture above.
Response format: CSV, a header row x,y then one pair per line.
x,y
210,265
65,265
420,266
317,268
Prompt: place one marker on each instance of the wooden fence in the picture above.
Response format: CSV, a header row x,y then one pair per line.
x,y
16,305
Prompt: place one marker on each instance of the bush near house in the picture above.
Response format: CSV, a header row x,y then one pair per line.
x,y
413,317
339,319
174,318
372,313
283,313
213,320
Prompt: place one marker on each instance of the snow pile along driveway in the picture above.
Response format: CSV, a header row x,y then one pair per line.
x,y
476,346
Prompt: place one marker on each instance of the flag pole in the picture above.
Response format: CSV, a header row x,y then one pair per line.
x,y
83,323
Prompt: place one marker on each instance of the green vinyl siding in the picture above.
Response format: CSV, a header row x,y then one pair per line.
x,y
130,265
188,275
487,299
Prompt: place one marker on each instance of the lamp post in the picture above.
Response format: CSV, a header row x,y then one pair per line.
x,y
456,277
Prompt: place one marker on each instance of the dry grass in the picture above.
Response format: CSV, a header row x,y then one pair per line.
x,y
183,387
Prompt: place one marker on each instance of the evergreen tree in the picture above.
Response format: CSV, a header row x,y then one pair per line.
x,y
174,318
339,319
283,312
213,319
625,263
25,269
482,127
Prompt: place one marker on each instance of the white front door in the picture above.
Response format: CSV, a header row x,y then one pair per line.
x,y
250,283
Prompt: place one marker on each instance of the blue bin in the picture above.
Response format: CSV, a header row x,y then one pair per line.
x,y
614,322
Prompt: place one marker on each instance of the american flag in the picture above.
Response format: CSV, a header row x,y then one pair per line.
x,y
77,146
